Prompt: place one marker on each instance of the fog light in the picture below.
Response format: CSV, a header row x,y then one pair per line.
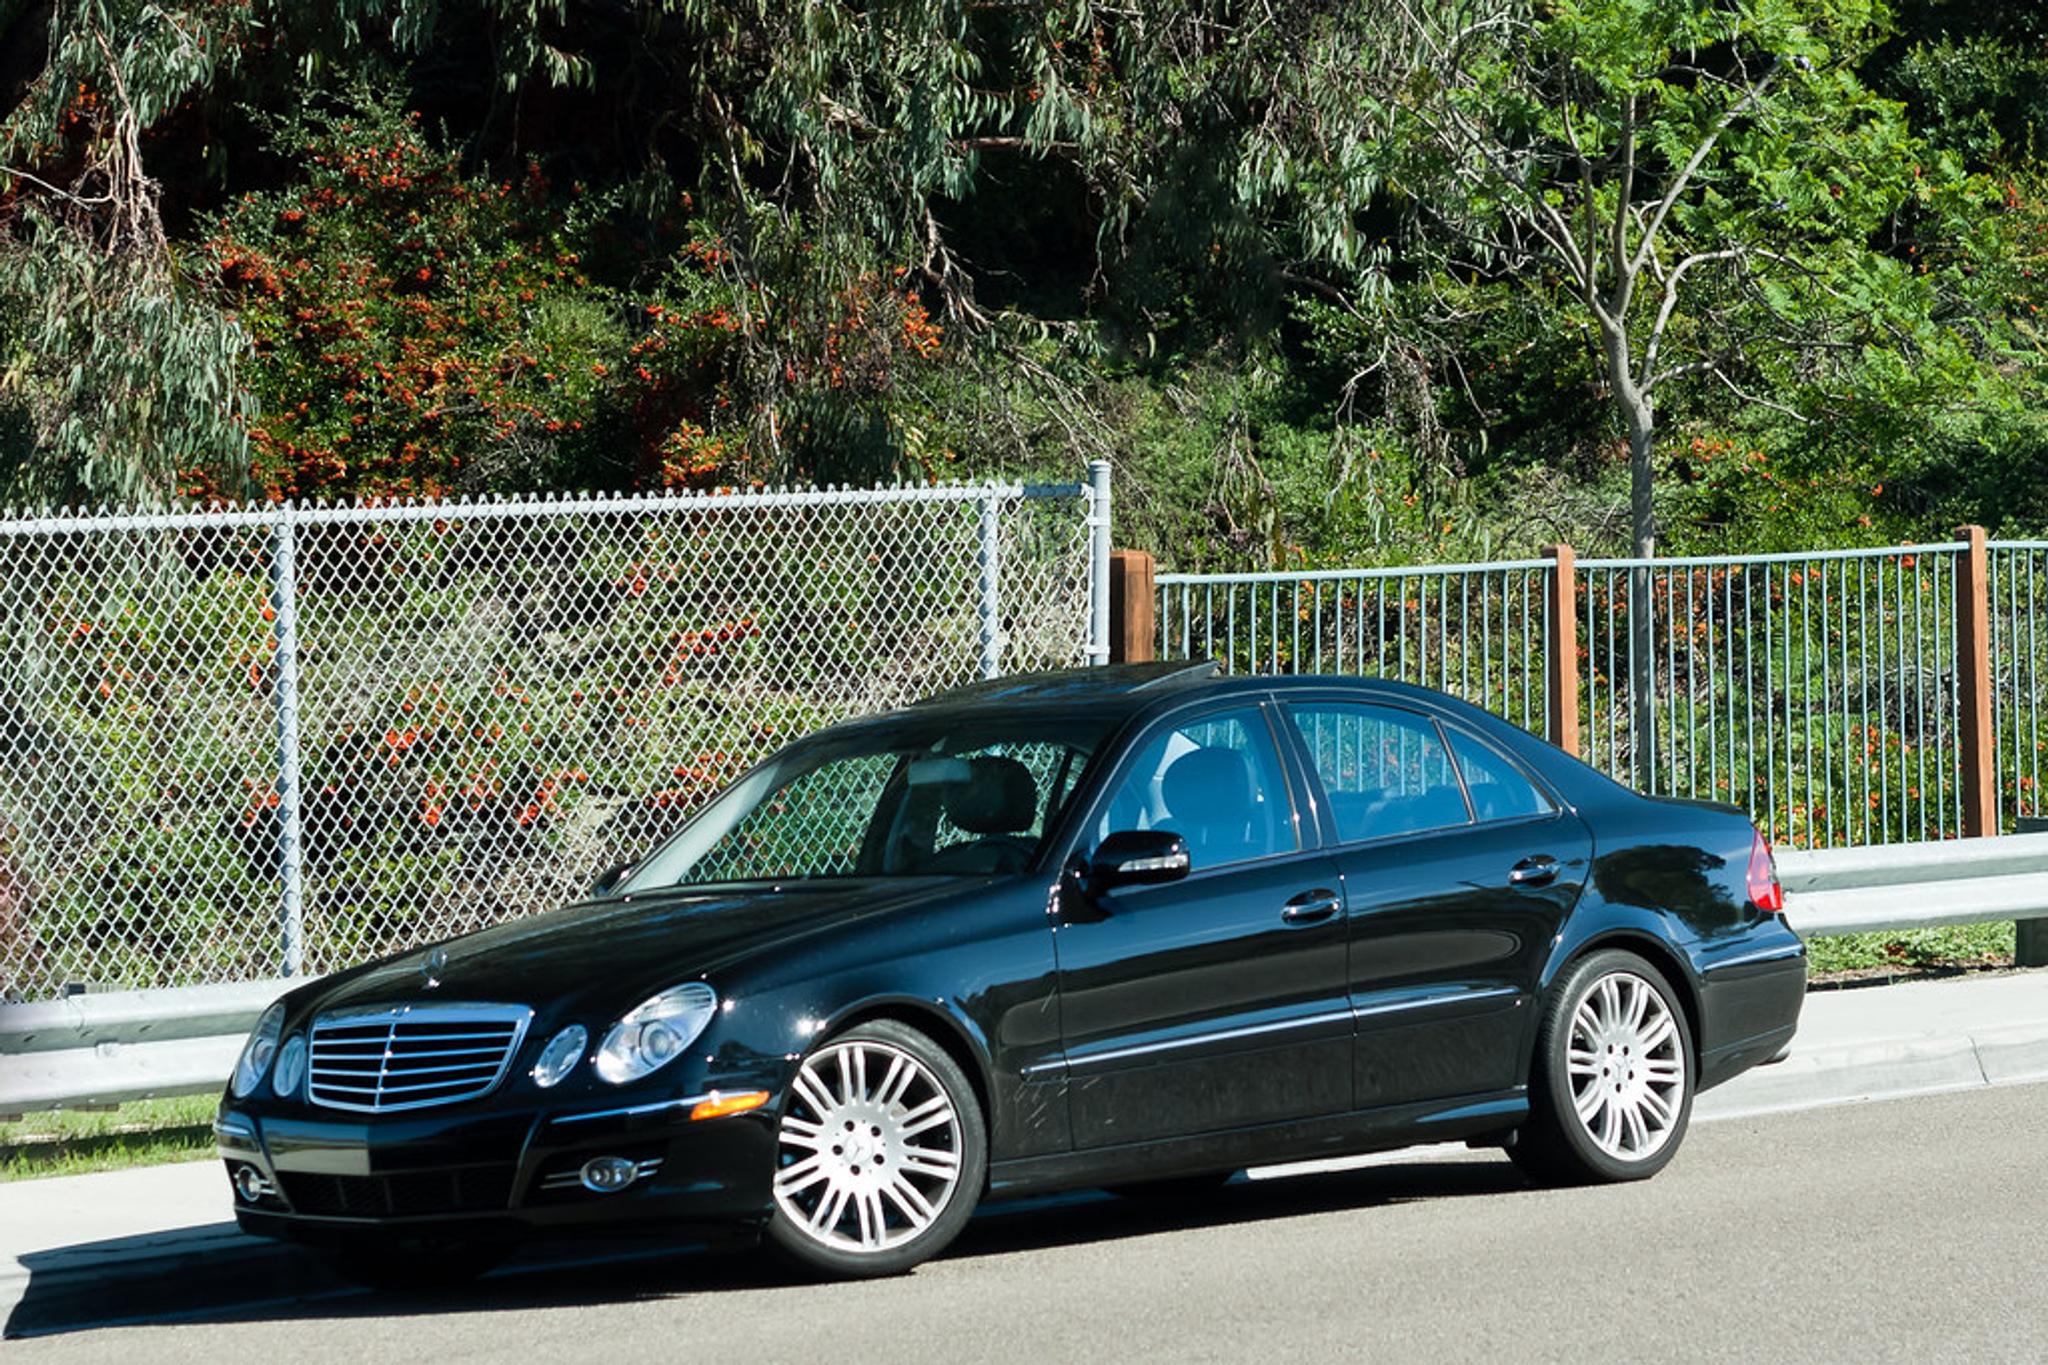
x,y
250,1184
609,1174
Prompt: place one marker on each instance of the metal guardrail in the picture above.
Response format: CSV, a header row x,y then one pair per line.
x,y
102,1049
1916,886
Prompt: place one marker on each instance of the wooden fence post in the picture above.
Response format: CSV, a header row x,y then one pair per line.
x,y
1976,749
1561,649
1133,608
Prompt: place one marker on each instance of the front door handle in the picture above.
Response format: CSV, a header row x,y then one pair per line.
x,y
1539,870
1311,907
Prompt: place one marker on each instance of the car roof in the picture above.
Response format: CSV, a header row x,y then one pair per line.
x,y
1066,685
1128,690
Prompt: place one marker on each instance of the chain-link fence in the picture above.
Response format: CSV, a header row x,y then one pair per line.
x,y
235,744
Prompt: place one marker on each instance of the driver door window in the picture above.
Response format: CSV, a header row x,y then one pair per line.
x,y
1217,782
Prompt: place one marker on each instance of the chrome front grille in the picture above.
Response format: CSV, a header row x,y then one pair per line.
x,y
412,1056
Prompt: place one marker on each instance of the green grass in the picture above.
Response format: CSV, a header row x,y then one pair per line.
x,y
75,1142
1955,945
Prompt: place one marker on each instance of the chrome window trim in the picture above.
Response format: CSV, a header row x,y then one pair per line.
x,y
520,1017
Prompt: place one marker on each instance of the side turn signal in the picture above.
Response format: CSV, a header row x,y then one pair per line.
x,y
739,1102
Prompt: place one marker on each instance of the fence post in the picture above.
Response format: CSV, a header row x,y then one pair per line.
x,y
284,626
1561,648
1642,679
1976,749
1098,561
1133,608
991,587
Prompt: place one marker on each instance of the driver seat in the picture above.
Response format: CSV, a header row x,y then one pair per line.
x,y
1211,801
998,804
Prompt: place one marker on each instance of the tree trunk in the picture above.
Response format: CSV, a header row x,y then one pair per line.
x,y
1641,419
1642,639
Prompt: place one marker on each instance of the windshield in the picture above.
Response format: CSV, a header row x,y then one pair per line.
x,y
962,797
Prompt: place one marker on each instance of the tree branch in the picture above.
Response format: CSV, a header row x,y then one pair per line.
x,y
1669,303
1752,96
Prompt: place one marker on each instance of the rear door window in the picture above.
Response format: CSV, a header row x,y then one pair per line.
x,y
1496,786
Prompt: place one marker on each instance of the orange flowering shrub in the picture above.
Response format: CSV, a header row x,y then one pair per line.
x,y
422,330
418,330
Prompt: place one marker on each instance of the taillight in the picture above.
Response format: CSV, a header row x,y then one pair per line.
x,y
1763,878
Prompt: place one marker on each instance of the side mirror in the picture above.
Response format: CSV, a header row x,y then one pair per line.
x,y
1138,857
609,879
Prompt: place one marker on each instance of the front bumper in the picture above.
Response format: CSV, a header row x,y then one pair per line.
x,y
332,1178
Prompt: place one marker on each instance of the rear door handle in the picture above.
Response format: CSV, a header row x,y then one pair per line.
x,y
1311,907
1539,870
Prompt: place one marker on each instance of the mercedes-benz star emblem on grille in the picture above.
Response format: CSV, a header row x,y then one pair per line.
x,y
435,964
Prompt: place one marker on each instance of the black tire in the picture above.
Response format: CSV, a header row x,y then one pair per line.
x,y
1173,1190
877,1172
416,1262
1580,1129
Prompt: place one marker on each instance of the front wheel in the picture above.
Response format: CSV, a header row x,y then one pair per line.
x,y
880,1154
1612,1090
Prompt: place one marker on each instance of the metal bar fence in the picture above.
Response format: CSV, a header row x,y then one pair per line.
x,y
239,744
2019,673
1817,690
1476,630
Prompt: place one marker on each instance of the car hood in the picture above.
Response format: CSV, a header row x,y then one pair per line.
x,y
617,952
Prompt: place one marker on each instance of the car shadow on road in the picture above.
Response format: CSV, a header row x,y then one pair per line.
x,y
216,1276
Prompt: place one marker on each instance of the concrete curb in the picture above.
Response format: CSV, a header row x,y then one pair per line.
x,y
1882,1070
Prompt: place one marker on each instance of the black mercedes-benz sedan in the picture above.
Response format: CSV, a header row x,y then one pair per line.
x,y
1130,926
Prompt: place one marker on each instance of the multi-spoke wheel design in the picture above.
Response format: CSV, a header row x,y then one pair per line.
x,y
1612,1089
879,1153
1627,1066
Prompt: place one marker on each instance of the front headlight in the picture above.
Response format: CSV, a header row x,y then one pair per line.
x,y
257,1052
291,1066
655,1032
560,1056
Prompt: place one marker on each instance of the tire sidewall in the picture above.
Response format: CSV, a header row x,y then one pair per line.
x,y
1555,1075
809,1255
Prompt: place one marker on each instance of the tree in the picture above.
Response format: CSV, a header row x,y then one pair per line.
x,y
1696,185
1699,187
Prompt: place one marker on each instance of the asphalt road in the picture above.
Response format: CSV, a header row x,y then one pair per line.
x,y
1908,1230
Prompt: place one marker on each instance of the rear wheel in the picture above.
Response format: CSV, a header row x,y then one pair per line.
x,y
881,1154
1612,1089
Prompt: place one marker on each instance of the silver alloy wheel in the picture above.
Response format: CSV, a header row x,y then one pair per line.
x,y
868,1150
1626,1060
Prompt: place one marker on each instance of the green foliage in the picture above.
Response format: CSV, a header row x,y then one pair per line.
x,y
1381,282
